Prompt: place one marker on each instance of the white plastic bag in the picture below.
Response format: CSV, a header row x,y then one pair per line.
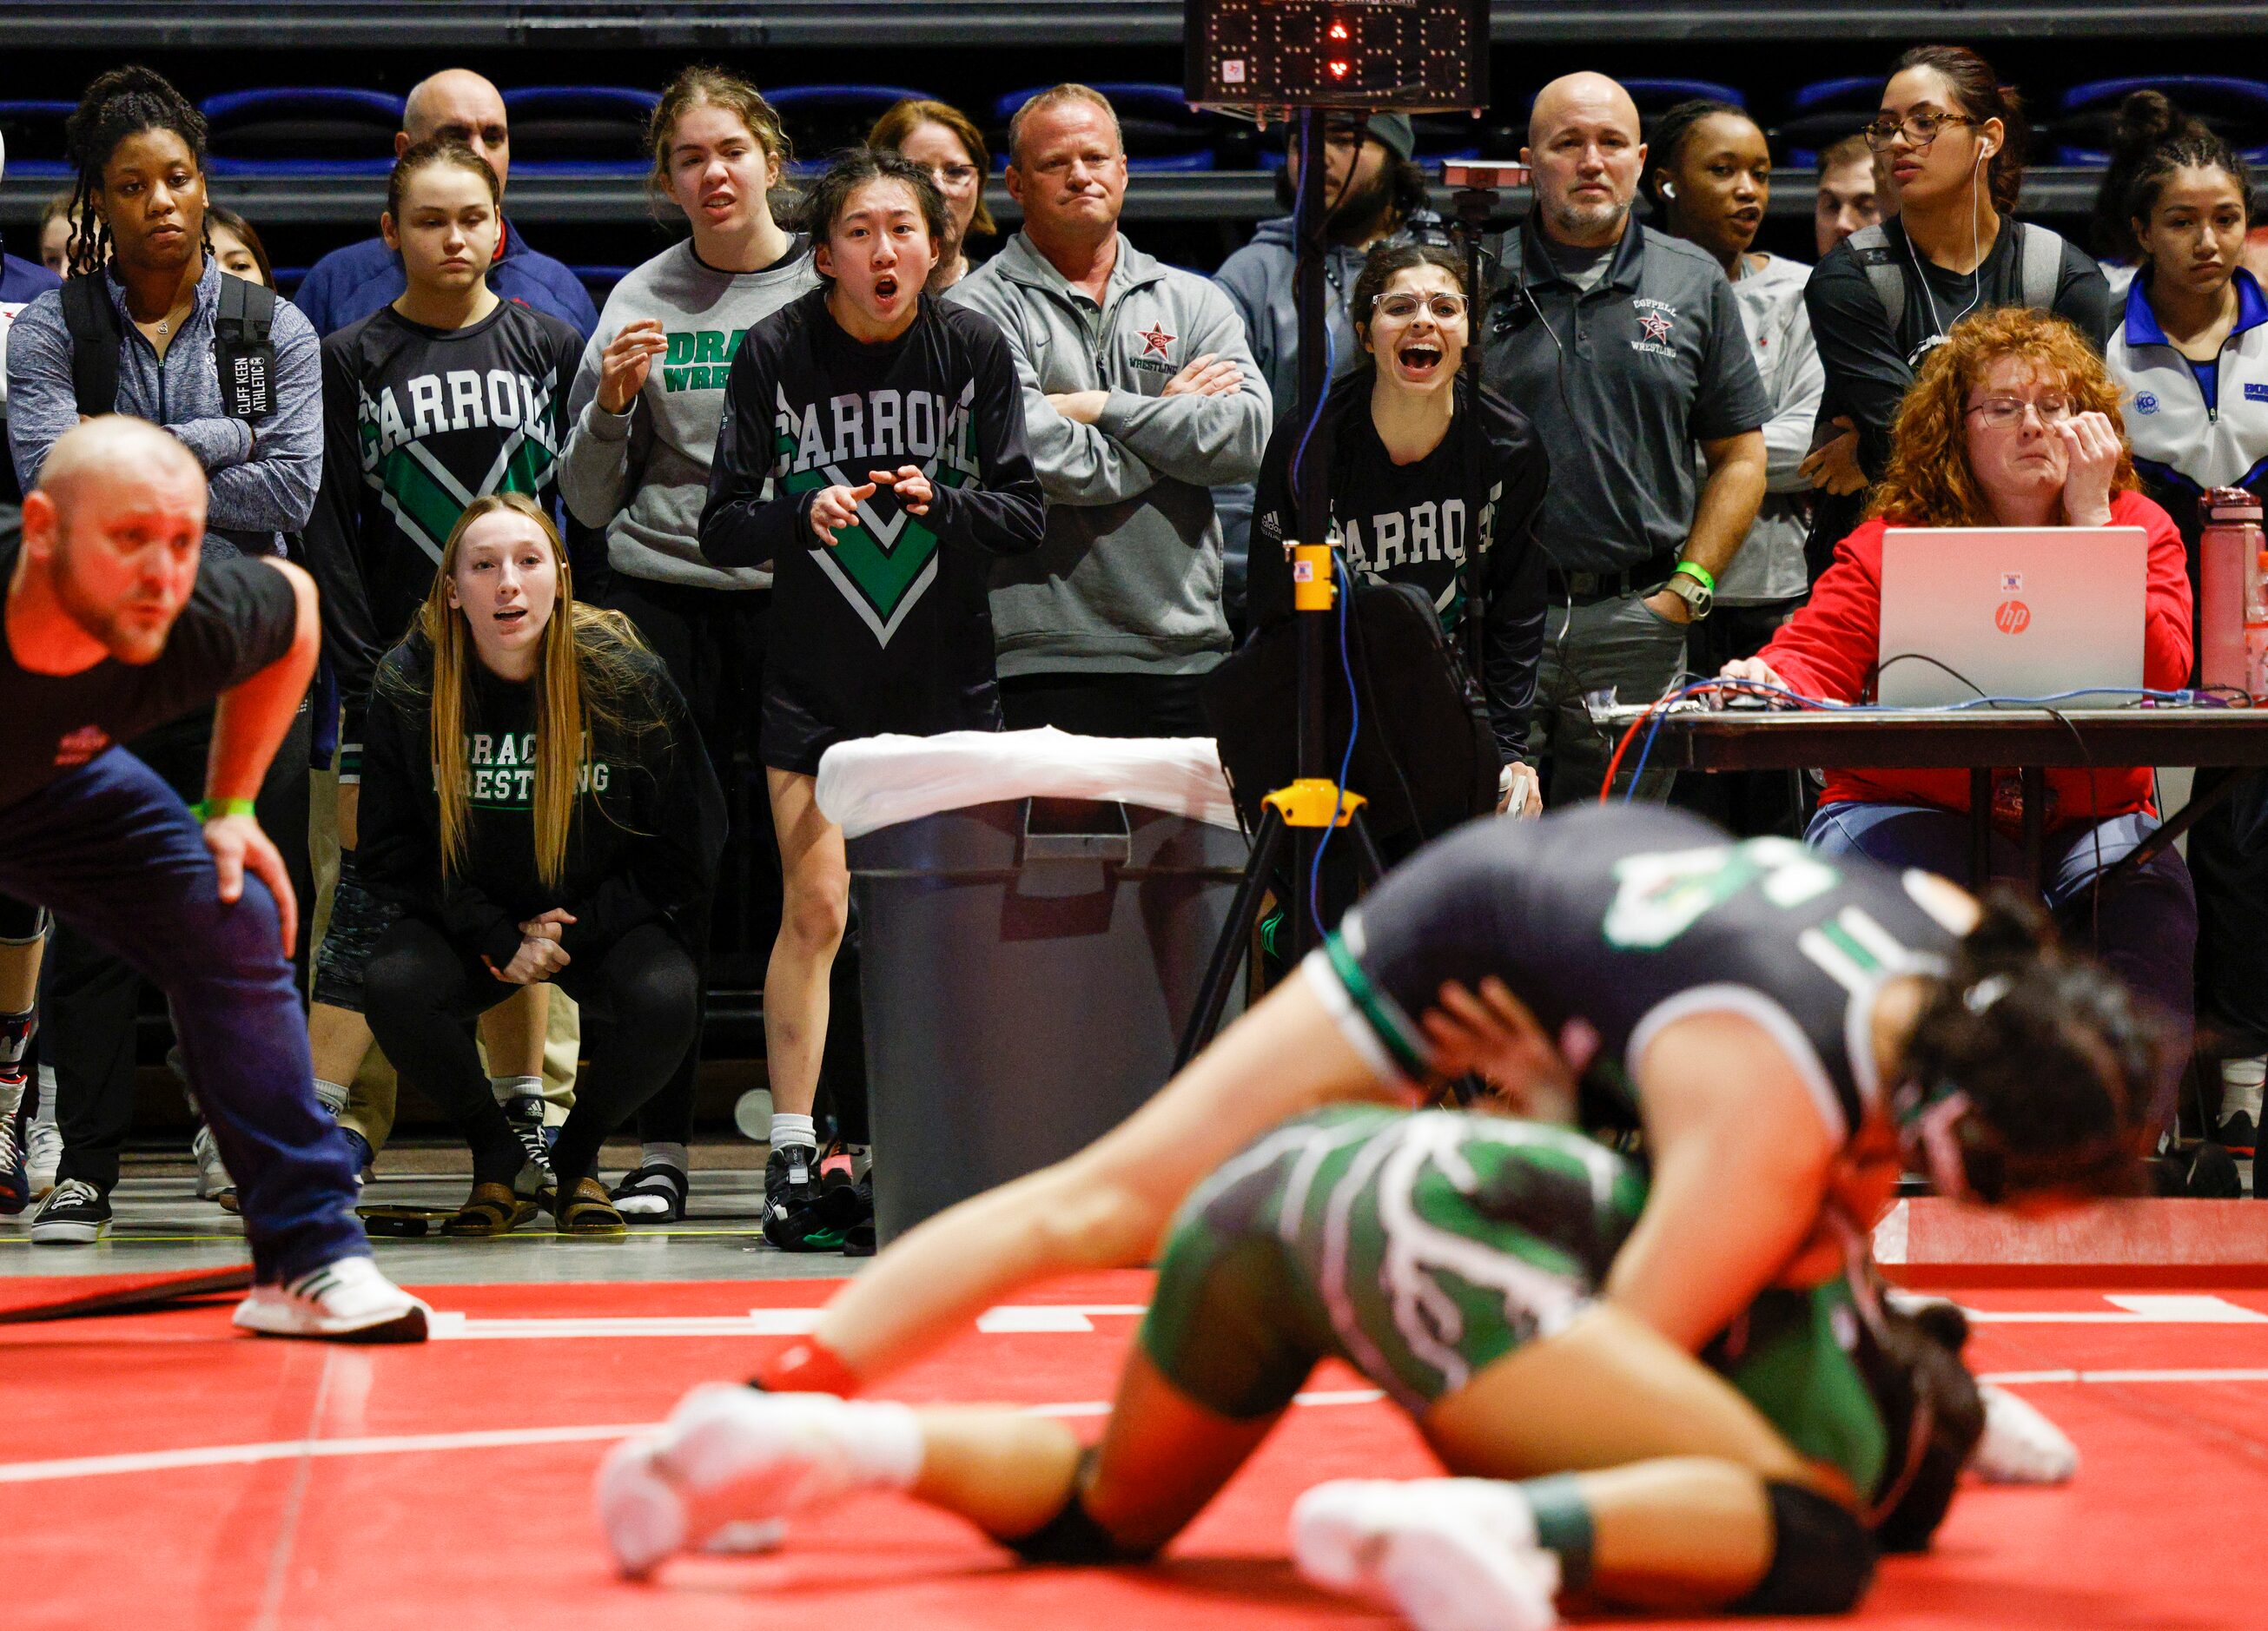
x,y
881,781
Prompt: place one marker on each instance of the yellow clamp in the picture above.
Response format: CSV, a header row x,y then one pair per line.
x,y
1311,578
1310,801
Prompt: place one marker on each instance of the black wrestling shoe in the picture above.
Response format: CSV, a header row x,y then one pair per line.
x,y
525,1111
2237,1134
793,1221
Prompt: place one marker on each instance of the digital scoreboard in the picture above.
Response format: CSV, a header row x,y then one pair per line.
x,y
1409,56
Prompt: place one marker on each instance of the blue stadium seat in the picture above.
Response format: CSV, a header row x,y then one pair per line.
x,y
579,129
1161,130
35,134
598,280
1654,95
1820,115
821,120
303,130
2236,108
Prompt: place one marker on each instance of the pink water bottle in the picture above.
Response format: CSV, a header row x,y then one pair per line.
x,y
2228,582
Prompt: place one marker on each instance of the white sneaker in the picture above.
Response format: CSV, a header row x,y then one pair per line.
x,y
2020,1445
1449,1554
348,1300
43,1152
733,1458
213,1181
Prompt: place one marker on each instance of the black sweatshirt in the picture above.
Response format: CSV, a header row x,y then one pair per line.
x,y
418,422
891,628
648,828
1405,524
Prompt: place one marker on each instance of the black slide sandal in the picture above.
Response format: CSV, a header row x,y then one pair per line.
x,y
656,1180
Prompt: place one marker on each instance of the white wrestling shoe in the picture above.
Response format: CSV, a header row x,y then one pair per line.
x,y
730,1462
345,1300
1447,1554
2020,1445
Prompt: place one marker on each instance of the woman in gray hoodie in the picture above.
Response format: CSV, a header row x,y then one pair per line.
x,y
642,428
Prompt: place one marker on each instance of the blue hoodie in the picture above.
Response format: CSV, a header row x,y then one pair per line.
x,y
351,283
20,282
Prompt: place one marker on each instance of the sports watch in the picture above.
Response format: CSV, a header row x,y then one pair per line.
x,y
1694,585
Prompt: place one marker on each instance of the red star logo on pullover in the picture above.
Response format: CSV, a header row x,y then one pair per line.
x,y
1155,341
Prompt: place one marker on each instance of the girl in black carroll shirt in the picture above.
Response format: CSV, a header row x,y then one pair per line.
x,y
890,430
1405,483
536,799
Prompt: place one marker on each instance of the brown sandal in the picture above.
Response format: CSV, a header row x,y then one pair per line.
x,y
490,1209
584,1208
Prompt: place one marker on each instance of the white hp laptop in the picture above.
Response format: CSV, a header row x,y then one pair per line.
x,y
2014,610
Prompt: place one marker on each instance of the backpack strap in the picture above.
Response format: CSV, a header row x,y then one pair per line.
x,y
246,311
2040,254
95,338
1871,245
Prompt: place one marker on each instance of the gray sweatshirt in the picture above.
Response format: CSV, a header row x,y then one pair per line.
x,y
261,475
1129,580
643,475
1770,566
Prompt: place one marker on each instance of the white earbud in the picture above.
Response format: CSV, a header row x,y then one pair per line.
x,y
1669,189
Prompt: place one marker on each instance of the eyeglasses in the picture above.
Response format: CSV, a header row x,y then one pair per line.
x,y
1920,127
2001,412
955,175
1401,308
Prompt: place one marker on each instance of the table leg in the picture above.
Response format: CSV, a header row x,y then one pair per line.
x,y
1980,826
2034,782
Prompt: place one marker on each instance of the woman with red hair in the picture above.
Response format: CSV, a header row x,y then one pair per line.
x,y
2013,421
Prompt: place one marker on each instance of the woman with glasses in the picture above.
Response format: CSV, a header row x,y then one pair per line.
x,y
1420,471
945,141
2013,422
1952,137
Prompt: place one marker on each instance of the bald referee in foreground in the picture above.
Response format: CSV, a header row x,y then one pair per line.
x,y
113,626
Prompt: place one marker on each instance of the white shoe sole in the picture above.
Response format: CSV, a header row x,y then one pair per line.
x,y
268,1317
1438,1573
67,1234
640,1513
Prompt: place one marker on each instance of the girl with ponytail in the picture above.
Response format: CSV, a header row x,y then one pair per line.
x,y
537,802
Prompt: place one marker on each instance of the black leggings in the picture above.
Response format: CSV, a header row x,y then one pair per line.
x,y
640,1000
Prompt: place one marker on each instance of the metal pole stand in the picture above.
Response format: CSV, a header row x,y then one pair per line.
x,y
1298,815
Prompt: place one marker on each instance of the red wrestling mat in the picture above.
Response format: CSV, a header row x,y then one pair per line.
x,y
166,1471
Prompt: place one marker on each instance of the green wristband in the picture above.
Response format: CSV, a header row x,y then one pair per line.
x,y
213,809
1699,573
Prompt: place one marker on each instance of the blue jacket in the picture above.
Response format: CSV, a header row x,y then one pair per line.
x,y
2183,443
348,284
261,476
20,282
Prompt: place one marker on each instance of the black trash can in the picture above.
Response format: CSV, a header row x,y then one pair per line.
x,y
1026,968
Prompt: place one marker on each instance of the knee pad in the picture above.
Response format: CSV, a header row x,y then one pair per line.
x,y
1822,1557
1072,1536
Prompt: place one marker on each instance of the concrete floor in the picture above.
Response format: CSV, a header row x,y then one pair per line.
x,y
161,1225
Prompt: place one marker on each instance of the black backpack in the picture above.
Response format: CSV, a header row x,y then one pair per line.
x,y
244,358
1428,756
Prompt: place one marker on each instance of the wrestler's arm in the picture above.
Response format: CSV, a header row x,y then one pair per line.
x,y
1107,1206
1741,1161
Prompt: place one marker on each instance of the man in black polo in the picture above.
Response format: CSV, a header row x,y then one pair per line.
x,y
1625,349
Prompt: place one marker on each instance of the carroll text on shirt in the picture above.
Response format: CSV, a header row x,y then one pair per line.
x,y
462,398
699,359
874,424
